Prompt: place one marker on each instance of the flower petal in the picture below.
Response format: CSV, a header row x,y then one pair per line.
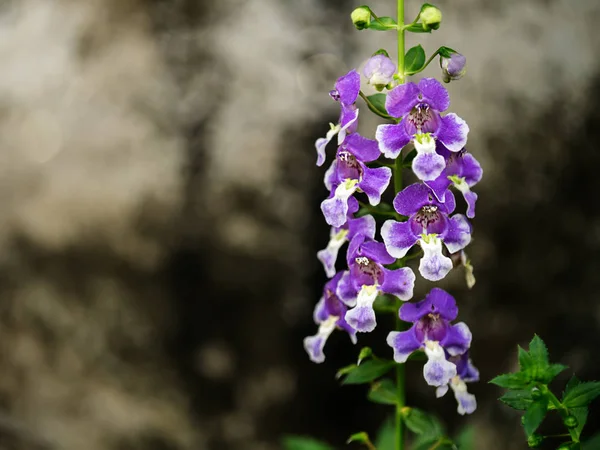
x,y
471,169
362,316
399,282
437,301
403,343
348,122
364,149
345,290
376,251
412,198
364,226
433,266
314,344
467,404
348,87
374,182
459,233
434,94
335,209
437,371
392,139
428,166
331,179
457,340
402,99
328,256
398,237
453,132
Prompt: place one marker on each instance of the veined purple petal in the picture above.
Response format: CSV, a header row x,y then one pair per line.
x,y
392,139
412,198
428,166
354,248
434,94
376,251
437,301
402,99
439,186
471,169
374,182
437,371
403,343
353,205
320,312
364,225
348,122
449,204
362,316
364,149
345,290
453,132
465,368
398,237
433,266
399,282
348,87
457,340
459,233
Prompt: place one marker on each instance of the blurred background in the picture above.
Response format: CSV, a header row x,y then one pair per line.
x,y
160,215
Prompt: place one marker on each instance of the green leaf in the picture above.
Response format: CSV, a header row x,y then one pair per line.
x,y
538,352
581,414
518,399
525,361
573,381
376,104
417,28
360,437
383,392
466,439
535,415
365,352
304,443
592,443
368,371
551,372
385,23
414,59
512,381
419,422
345,370
386,436
582,394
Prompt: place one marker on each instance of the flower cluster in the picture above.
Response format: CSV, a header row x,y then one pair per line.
x,y
424,219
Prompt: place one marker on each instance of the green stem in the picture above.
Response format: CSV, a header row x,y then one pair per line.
x,y
426,63
400,21
562,410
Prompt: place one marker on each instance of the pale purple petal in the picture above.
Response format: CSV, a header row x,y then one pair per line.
x,y
353,205
320,311
392,139
449,204
330,179
362,316
434,94
399,282
465,368
320,145
345,290
398,237
437,371
377,252
467,404
437,301
471,169
374,182
364,225
314,347
428,166
348,122
403,343
348,87
364,149
335,209
471,199
402,99
379,70
434,266
457,340
453,132
459,233
440,391
354,248
412,198
439,186
328,256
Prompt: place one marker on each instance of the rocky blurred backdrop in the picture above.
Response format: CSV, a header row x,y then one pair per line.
x,y
160,215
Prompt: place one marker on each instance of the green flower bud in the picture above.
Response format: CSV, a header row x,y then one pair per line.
x,y
535,440
430,17
536,394
570,422
361,17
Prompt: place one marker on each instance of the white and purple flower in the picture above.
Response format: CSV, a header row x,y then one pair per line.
x,y
466,372
420,106
348,173
345,92
429,225
367,278
379,71
462,171
329,315
433,333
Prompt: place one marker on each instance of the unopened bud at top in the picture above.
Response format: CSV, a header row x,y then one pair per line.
x,y
430,17
379,71
361,17
453,64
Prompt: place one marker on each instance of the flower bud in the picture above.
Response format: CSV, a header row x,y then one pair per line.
x,y
379,71
430,17
453,64
361,17
570,422
535,440
536,394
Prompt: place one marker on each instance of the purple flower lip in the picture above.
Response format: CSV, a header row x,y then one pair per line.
x,y
430,220
349,166
366,271
422,119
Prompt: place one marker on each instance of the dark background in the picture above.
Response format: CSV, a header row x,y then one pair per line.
x,y
160,216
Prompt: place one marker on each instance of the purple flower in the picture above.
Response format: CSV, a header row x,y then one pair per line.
x,y
433,333
379,71
462,171
420,106
429,225
348,173
367,277
453,66
339,235
466,372
345,92
329,314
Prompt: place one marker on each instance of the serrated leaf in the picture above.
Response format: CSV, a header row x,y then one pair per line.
x,y
345,370
386,436
419,422
581,414
365,352
368,371
535,415
384,24
582,394
383,392
525,361
573,381
538,352
512,381
376,104
518,399
304,443
551,372
414,59
360,437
